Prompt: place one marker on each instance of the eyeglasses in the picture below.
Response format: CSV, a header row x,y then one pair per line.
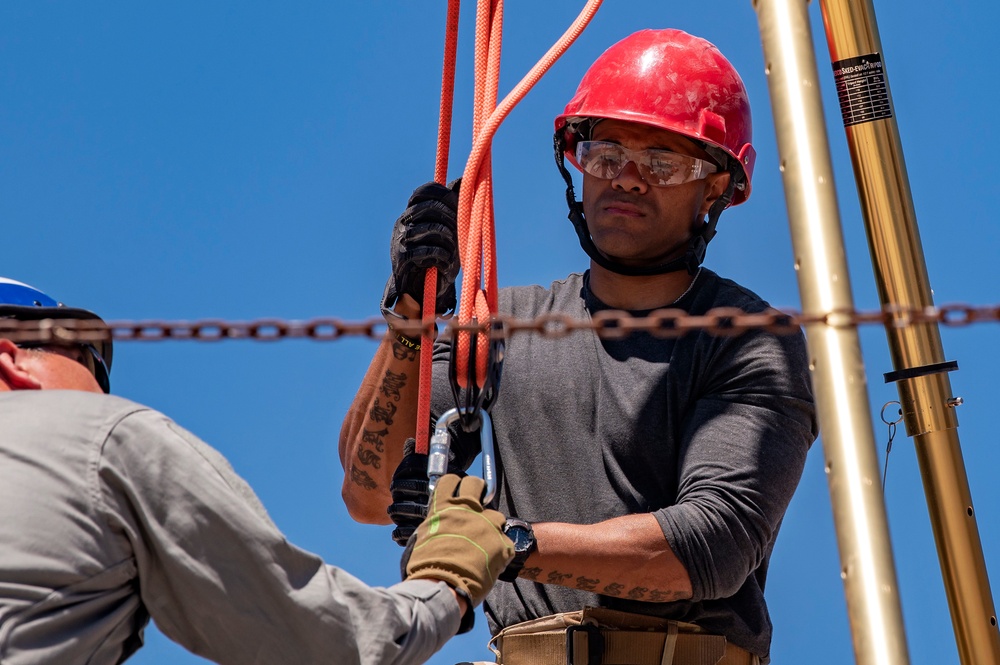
x,y
660,168
85,354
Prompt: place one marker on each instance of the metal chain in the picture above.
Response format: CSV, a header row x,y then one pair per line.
x,y
608,324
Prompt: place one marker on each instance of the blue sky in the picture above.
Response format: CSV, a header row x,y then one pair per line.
x,y
191,160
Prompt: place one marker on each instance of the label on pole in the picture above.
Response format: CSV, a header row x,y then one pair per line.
x,y
862,89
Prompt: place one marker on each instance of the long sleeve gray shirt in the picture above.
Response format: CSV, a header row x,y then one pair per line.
x,y
707,433
111,513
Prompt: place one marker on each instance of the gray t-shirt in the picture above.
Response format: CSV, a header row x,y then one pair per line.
x,y
707,433
110,512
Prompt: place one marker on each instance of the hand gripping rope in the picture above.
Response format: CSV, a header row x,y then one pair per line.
x,y
475,367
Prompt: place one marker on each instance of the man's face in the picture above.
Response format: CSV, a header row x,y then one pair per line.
x,y
635,223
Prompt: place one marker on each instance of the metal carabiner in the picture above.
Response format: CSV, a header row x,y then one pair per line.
x,y
440,446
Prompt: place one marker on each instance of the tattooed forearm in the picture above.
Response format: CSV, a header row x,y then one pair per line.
x,y
392,384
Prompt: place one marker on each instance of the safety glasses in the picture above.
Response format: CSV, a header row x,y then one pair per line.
x,y
660,168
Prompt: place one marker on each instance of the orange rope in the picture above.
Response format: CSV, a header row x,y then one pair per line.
x,y
428,313
476,230
447,93
475,206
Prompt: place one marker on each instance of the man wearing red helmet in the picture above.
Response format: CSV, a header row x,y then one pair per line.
x,y
642,475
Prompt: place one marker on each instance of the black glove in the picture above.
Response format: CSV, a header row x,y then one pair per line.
x,y
409,493
426,236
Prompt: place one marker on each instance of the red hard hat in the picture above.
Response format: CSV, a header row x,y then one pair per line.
x,y
671,80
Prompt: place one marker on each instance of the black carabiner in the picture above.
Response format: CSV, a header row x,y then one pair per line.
x,y
477,399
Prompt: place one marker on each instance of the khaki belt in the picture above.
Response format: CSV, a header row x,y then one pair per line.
x,y
597,636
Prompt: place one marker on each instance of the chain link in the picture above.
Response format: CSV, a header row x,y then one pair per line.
x,y
608,324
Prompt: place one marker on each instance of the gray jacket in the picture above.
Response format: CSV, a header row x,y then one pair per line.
x,y
111,513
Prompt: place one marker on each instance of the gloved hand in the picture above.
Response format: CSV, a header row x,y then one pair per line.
x,y
460,542
426,236
410,495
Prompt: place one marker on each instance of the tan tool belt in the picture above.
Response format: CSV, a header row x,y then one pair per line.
x,y
599,636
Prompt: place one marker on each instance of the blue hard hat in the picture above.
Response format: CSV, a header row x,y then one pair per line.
x,y
26,303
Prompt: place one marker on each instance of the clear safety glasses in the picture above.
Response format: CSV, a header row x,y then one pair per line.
x,y
660,168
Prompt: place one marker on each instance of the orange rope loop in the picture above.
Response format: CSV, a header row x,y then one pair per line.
x,y
476,231
475,208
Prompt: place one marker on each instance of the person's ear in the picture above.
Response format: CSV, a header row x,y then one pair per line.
x,y
14,369
715,186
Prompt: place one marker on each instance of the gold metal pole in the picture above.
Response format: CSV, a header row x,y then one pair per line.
x,y
843,406
917,355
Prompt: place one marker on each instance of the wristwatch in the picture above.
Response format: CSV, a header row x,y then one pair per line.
x,y
523,536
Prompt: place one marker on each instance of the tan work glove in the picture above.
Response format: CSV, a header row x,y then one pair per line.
x,y
459,542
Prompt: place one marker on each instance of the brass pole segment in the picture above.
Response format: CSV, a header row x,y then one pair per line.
x,y
901,276
886,203
959,549
873,604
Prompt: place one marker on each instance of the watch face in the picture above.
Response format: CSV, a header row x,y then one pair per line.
x,y
522,538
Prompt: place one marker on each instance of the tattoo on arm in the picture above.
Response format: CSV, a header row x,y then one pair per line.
x,y
362,479
382,414
592,584
613,589
369,458
392,384
401,352
555,577
391,389
531,573
656,596
637,593
374,438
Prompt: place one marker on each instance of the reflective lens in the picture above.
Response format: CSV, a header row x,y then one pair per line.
x,y
660,168
98,367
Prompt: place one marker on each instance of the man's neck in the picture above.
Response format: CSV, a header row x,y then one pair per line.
x,y
638,293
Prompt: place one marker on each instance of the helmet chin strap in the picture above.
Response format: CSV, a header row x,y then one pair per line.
x,y
689,261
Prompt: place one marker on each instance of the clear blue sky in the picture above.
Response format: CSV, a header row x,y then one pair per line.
x,y
240,160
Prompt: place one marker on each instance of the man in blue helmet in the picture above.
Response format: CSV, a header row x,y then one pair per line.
x,y
110,513
22,302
